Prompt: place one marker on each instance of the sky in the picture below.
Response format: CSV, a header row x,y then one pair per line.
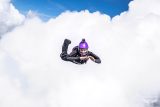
x,y
32,73
52,8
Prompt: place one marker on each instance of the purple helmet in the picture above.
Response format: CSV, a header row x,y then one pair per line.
x,y
83,44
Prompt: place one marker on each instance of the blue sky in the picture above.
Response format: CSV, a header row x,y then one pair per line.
x,y
52,8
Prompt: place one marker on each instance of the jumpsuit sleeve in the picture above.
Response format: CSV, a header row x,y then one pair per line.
x,y
97,59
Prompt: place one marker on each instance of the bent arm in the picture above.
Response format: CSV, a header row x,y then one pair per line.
x,y
97,59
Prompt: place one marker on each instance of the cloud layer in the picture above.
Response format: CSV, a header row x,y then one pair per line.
x,y
9,16
32,73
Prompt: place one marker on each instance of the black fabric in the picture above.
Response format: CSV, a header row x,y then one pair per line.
x,y
74,56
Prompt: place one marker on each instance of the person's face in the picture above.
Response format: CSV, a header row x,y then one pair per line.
x,y
83,52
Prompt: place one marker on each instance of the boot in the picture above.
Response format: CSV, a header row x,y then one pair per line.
x,y
65,45
67,41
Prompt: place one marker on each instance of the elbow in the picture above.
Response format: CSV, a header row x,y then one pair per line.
x,y
98,61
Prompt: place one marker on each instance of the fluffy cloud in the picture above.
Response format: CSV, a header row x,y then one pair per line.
x,y
9,16
33,74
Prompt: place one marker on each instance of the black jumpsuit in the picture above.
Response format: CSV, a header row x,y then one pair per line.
x,y
74,56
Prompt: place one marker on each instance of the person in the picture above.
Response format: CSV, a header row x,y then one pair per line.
x,y
79,54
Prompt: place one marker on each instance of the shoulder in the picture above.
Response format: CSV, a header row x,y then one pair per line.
x,y
90,53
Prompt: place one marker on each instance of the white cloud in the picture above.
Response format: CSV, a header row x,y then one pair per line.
x,y
9,16
33,74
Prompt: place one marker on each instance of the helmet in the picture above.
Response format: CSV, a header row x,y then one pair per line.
x,y
83,44
83,47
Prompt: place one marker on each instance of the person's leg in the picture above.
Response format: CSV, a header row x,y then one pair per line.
x,y
64,54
